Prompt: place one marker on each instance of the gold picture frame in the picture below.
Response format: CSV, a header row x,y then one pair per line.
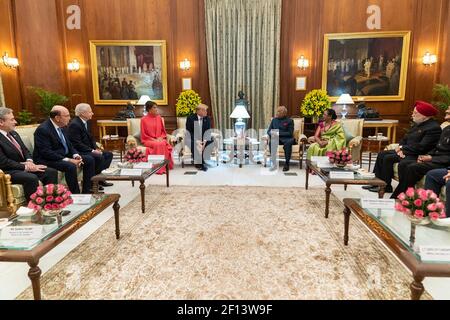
x,y
122,71
369,65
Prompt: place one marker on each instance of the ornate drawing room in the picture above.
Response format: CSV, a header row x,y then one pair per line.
x,y
224,150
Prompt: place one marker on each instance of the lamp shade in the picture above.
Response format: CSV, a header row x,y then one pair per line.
x,y
240,112
143,100
345,99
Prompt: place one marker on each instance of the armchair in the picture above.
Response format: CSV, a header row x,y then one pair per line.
x,y
298,149
354,128
134,133
184,149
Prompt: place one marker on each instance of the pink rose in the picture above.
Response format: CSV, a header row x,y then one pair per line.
x,y
399,207
48,207
59,199
423,194
349,157
432,207
440,205
33,196
443,215
407,211
39,192
49,199
418,202
50,188
433,196
30,205
434,215
401,196
55,206
419,214
65,196
410,192
405,203
39,200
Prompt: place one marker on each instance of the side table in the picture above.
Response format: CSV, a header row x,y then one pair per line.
x,y
114,144
373,145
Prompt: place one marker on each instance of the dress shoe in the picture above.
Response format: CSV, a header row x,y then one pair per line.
x,y
105,184
388,189
204,168
367,187
286,168
100,188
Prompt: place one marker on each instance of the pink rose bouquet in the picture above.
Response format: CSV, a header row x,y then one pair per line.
x,y
135,155
339,157
50,197
420,204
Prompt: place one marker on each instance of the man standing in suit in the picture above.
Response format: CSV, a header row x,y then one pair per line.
x,y
420,139
53,148
83,141
198,126
16,160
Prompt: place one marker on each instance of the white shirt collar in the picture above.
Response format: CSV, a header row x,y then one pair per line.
x,y
3,132
84,121
55,125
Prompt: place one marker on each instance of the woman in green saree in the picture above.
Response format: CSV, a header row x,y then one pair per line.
x,y
329,136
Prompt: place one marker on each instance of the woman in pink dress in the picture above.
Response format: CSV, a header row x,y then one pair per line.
x,y
154,136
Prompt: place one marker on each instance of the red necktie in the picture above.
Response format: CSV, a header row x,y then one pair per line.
x,y
14,142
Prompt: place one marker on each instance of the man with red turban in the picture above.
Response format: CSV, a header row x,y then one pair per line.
x,y
420,139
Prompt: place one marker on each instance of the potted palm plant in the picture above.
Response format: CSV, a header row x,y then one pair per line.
x,y
48,99
441,96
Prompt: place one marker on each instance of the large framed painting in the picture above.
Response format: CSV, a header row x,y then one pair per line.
x,y
370,65
123,71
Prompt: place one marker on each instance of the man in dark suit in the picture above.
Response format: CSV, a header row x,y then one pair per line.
x,y
410,171
80,136
421,138
198,126
285,134
52,148
16,160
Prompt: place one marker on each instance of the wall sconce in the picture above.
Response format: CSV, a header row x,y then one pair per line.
x,y
303,63
74,65
10,62
185,65
429,59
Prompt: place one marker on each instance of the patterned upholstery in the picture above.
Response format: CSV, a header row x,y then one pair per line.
x,y
297,150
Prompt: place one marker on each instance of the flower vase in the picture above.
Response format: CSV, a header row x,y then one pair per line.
x,y
418,221
315,119
341,165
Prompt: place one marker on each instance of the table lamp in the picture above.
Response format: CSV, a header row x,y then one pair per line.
x,y
344,100
142,101
239,113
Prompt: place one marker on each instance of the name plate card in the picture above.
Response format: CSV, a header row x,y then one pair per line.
x,y
342,175
143,165
22,233
319,159
388,204
131,172
438,254
81,198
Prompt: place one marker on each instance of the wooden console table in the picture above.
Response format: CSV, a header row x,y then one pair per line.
x,y
103,124
391,126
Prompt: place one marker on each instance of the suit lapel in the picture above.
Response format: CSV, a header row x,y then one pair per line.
x,y
53,129
10,144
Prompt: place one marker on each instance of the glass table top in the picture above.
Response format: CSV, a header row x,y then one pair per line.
x,y
399,226
45,226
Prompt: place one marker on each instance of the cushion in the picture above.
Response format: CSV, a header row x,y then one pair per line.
x,y
348,135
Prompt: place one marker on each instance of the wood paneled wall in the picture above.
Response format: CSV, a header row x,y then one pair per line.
x,y
35,32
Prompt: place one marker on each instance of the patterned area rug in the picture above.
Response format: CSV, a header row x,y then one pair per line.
x,y
229,243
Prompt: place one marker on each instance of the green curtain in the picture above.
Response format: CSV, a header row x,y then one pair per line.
x,y
243,49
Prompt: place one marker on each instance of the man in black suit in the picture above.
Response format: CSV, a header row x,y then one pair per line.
x,y
83,141
420,139
198,126
16,160
52,147
412,171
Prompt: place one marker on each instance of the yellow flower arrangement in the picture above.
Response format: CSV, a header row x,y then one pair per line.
x,y
315,103
187,102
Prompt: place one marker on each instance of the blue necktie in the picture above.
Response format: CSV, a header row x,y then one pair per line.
x,y
63,140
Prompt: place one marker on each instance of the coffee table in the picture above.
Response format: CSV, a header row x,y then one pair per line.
x,y
325,177
404,240
54,231
145,174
